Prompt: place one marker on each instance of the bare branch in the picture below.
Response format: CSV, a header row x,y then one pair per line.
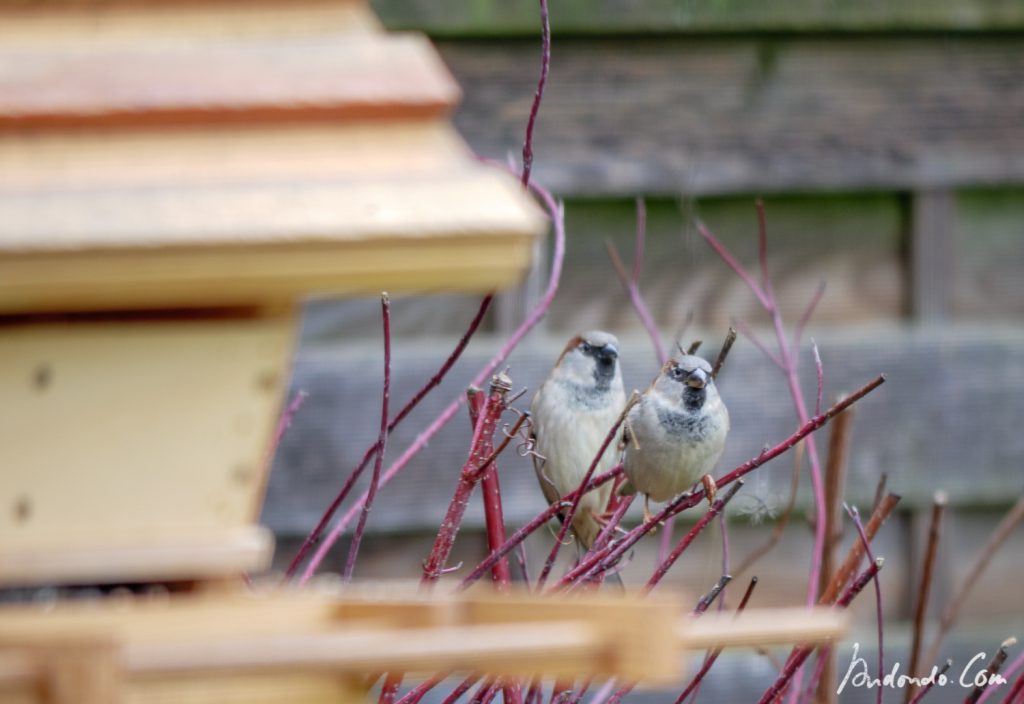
x,y
923,592
730,339
538,96
382,442
995,540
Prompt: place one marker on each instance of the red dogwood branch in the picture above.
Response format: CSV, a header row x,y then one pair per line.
x,y
382,438
475,467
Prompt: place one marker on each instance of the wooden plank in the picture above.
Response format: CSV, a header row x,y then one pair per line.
x,y
358,633
252,243
94,159
932,230
915,426
989,246
98,23
704,116
362,77
111,559
520,17
84,672
122,435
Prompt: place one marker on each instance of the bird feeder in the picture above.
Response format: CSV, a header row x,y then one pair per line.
x,y
174,180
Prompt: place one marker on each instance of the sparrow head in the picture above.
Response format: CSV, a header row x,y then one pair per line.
x,y
688,379
591,359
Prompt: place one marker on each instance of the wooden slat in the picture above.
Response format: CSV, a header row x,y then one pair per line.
x,y
361,77
989,255
932,263
96,160
171,554
520,17
702,116
934,416
515,635
101,23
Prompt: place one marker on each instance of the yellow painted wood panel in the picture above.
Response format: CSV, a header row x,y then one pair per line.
x,y
117,433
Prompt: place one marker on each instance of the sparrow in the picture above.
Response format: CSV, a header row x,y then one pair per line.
x,y
675,434
572,413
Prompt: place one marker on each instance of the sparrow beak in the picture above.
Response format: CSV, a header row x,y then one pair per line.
x,y
697,379
606,354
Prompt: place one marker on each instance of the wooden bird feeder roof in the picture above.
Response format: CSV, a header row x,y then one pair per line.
x,y
160,155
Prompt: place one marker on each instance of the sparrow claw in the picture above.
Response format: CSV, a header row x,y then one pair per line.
x,y
710,488
649,517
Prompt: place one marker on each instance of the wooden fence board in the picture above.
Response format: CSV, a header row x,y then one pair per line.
x,y
520,17
699,116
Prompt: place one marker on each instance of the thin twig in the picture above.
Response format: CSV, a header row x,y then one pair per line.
x,y
285,421
490,493
601,696
995,540
931,682
835,487
923,592
748,333
715,652
853,557
414,695
632,282
1007,674
727,344
382,442
1016,695
462,688
493,407
717,507
798,331
538,96
990,671
820,372
855,517
737,268
708,599
883,480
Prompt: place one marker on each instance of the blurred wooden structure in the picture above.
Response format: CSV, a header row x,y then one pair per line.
x,y
316,647
174,180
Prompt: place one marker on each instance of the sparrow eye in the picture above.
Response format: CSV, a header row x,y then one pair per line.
x,y
587,349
